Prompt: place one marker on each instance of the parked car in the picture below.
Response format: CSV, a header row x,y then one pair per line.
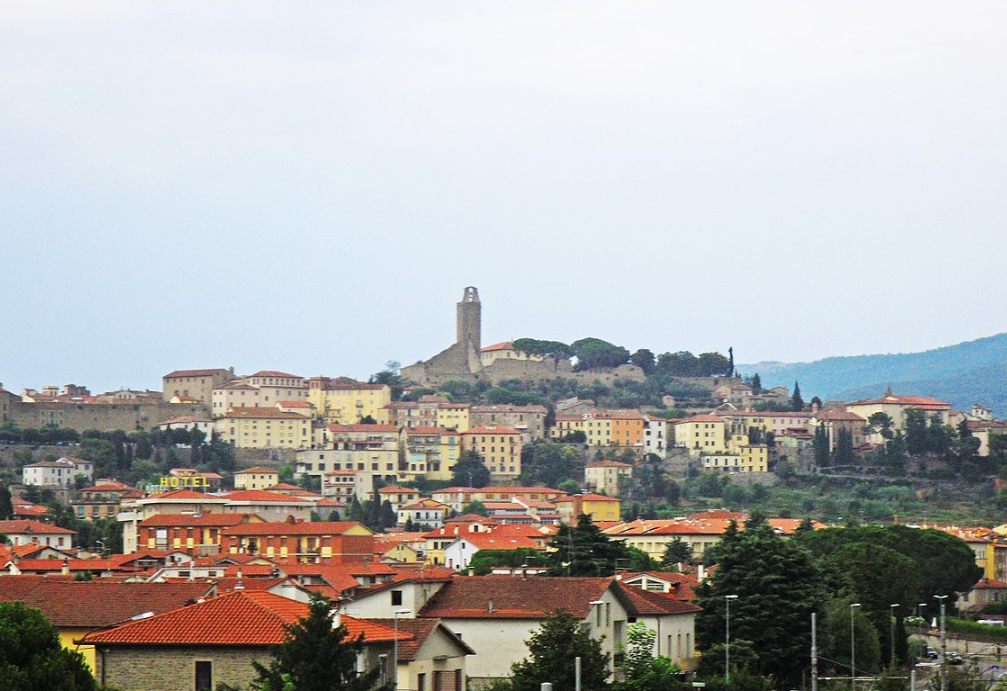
x,y
954,658
932,653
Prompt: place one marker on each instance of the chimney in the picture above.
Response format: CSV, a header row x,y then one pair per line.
x,y
472,572
489,606
334,612
700,573
66,567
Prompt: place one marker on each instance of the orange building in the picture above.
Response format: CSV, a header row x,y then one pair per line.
x,y
330,542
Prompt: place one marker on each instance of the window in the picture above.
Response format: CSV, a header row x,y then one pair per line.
x,y
396,598
204,676
421,682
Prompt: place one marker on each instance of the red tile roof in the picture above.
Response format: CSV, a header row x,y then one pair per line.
x,y
427,431
274,373
363,428
609,464
207,520
240,618
395,489
197,373
257,469
491,430
506,597
647,602
496,541
263,414
186,494
505,345
27,527
261,495
704,418
283,528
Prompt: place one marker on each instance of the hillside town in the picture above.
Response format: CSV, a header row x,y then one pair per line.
x,y
190,528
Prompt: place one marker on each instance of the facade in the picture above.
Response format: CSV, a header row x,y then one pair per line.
x,y
197,535
255,478
701,434
431,452
832,421
194,384
103,500
529,420
371,448
62,472
658,435
27,531
499,447
606,476
264,428
425,514
346,402
597,506
347,485
895,407
301,542
505,351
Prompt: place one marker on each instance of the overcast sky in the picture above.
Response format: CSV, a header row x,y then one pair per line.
x,y
309,186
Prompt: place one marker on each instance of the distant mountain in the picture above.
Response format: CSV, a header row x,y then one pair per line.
x,y
962,374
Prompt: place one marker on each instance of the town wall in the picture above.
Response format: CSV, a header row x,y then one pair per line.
x,y
106,417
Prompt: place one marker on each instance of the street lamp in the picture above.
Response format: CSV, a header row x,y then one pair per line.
x,y
891,623
395,648
944,645
919,609
727,637
853,649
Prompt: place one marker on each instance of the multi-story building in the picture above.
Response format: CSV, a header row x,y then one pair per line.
x,y
62,472
347,485
431,452
454,416
194,384
264,428
622,428
529,420
777,422
832,421
195,534
658,435
505,351
425,514
103,500
701,434
597,506
372,448
263,389
895,407
345,402
458,497
499,447
605,476
255,478
25,532
301,542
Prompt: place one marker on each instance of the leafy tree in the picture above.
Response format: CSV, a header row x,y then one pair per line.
x,y
315,656
796,402
470,471
820,446
844,454
816,403
31,657
644,359
583,550
475,507
484,560
713,364
594,353
553,349
6,506
553,649
916,431
775,600
641,669
836,636
880,423
548,463
676,552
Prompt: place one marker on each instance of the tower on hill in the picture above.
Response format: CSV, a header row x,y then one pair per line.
x,y
470,318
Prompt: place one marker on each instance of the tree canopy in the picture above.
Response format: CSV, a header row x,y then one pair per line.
x,y
470,471
583,550
553,649
31,657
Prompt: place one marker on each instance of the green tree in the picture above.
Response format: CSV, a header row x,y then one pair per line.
x,y
676,552
796,402
836,636
756,384
475,507
594,353
916,431
31,657
316,656
880,423
641,669
644,359
775,599
553,649
583,550
6,505
820,446
470,471
844,454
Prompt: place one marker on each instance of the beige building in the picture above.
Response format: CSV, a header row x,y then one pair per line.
x,y
255,478
454,416
345,402
376,449
701,434
240,394
431,452
529,420
196,384
500,448
264,428
604,476
505,351
895,407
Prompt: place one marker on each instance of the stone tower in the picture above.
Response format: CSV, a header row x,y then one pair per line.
x,y
470,318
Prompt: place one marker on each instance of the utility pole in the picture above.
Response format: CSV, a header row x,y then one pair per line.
x,y
891,608
853,650
814,652
727,638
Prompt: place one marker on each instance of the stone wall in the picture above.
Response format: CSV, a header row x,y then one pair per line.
x,y
106,417
149,668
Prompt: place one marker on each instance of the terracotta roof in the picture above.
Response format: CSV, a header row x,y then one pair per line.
x,y
506,597
702,418
197,373
491,430
496,541
273,373
257,469
609,464
104,603
428,430
18,587
283,528
518,490
296,404
186,494
510,409
263,414
239,618
838,416
27,527
420,628
647,602
363,428
261,495
395,489
505,345
56,565
921,402
206,520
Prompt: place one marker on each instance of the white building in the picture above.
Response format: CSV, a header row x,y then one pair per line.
x,y
26,532
58,473
656,435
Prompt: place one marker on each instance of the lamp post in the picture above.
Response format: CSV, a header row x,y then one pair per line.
x,y
944,645
395,648
853,649
891,624
919,609
727,637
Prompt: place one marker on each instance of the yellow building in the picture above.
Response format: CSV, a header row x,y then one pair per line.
x,y
431,452
505,351
255,478
701,434
500,448
603,427
454,416
597,506
264,428
348,403
603,476
895,407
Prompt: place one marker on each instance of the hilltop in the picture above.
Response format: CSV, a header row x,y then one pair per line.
x,y
961,374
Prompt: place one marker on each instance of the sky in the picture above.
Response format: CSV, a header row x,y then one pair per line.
x,y
308,187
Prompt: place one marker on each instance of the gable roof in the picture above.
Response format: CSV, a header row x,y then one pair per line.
x,y
420,628
208,520
261,495
239,618
285,528
506,597
26,527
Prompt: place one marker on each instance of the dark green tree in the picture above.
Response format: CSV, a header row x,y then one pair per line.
x,y
644,359
796,402
880,423
835,634
470,471
820,446
315,656
583,550
775,599
31,657
594,353
641,670
756,384
844,454
553,649
475,507
676,552
6,506
916,431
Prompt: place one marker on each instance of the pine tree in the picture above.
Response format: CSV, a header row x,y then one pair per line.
x,y
820,446
553,649
796,402
756,384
